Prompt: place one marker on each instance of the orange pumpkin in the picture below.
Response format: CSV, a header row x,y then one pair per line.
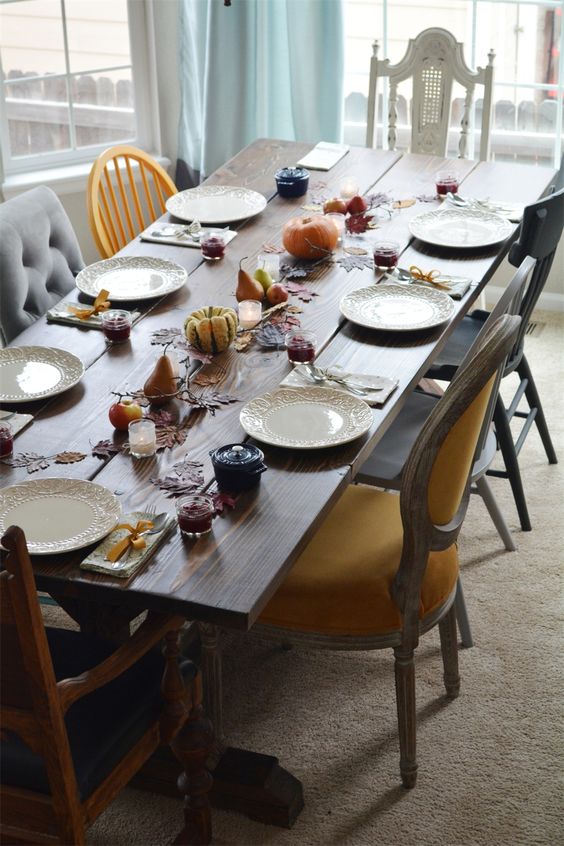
x,y
310,237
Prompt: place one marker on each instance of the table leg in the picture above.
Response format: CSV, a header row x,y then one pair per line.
x,y
210,662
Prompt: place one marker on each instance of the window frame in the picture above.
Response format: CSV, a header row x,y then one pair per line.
x,y
143,74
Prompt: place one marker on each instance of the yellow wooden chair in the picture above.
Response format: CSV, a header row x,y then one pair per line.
x,y
119,208
382,569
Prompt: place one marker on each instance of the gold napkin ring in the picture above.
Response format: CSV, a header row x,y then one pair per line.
x,y
134,539
417,273
101,303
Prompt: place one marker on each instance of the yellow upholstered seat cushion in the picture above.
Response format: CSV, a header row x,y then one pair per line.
x,y
341,582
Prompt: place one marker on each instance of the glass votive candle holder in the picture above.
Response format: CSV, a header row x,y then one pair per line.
x,y
446,182
271,263
301,346
338,220
116,325
348,188
250,313
142,438
194,513
386,255
6,441
212,245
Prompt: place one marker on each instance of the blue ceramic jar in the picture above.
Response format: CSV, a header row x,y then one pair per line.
x,y
292,181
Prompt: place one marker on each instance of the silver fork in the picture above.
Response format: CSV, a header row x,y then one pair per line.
x,y
318,376
159,522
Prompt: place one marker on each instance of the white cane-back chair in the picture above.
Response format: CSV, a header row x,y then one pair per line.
x,y
434,60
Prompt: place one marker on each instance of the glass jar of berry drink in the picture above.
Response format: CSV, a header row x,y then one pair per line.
x,y
194,513
6,441
116,325
301,346
213,246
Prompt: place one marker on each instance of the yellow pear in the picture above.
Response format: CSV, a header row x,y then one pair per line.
x,y
161,384
247,287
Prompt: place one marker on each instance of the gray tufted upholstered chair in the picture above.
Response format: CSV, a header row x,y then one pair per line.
x,y
39,258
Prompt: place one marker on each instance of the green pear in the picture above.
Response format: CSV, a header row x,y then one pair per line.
x,y
264,277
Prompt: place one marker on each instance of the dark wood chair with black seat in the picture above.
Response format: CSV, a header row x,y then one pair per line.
x,y
540,233
382,569
80,716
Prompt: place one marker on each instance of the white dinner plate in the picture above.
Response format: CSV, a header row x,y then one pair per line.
x,y
30,373
460,228
59,515
131,278
215,204
306,418
397,308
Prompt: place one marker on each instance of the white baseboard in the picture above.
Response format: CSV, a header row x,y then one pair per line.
x,y
547,300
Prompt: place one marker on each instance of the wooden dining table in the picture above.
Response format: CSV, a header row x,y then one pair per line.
x,y
223,580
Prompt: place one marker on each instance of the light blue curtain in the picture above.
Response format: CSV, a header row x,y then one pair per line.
x,y
257,68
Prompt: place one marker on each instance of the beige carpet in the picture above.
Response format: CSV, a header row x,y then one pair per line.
x,y
489,763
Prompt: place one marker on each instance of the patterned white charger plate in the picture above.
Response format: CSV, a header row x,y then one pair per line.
x,y
397,308
460,228
130,278
306,418
30,373
59,515
215,204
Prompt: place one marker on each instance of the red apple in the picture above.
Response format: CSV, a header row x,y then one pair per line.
x,y
336,204
357,205
276,294
122,413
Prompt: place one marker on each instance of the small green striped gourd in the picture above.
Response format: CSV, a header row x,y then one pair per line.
x,y
211,329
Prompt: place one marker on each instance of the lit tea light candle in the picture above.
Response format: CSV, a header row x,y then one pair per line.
x,y
250,312
348,188
142,438
271,263
338,220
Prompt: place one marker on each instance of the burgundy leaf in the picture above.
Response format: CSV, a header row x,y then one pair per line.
x,y
358,223
301,292
161,418
221,500
105,449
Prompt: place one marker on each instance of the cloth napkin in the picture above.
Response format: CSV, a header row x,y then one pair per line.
x,y
137,557
454,286
16,422
298,378
171,233
61,314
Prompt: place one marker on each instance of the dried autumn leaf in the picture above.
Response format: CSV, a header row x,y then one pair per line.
x,y
272,248
69,457
354,262
313,207
183,478
404,204
106,449
166,336
205,379
161,418
30,460
271,336
242,342
170,436
426,198
356,224
220,500
356,251
301,292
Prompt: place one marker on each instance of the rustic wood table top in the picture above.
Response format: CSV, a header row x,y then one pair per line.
x,y
226,577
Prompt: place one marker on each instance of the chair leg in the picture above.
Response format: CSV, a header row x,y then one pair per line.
x,y
461,615
507,447
407,716
486,493
449,649
533,399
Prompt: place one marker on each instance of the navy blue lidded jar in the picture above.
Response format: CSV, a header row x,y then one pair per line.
x,y
292,181
237,467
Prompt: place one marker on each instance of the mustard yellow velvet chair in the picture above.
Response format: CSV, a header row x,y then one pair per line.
x,y
382,569
119,204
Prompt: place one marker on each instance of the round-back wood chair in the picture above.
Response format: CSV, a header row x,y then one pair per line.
x,y
382,569
127,191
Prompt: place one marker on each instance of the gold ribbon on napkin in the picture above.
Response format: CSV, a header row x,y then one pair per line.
x,y
134,539
101,303
430,276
